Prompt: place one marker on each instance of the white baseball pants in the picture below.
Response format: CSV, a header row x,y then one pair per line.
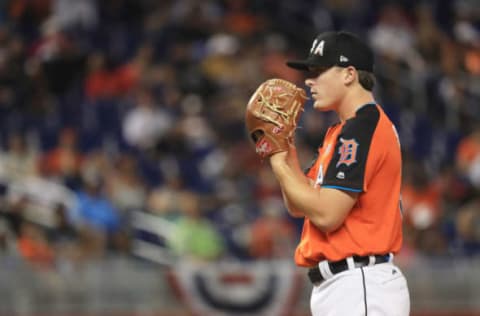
x,y
375,290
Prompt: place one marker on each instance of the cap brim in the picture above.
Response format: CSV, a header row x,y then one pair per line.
x,y
299,64
305,64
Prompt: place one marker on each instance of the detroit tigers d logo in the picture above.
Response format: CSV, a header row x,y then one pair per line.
x,y
347,152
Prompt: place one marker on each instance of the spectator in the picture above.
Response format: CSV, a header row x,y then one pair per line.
x,y
272,234
165,201
97,218
393,37
99,82
467,228
107,80
64,161
14,214
194,236
147,122
72,14
33,246
274,55
468,157
18,161
63,234
124,187
265,186
421,199
7,239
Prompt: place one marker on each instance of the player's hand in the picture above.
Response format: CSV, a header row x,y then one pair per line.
x,y
289,157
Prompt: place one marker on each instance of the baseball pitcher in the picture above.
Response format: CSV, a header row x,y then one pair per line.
x,y
350,196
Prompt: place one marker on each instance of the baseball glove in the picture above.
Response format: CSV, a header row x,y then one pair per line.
x,y
272,115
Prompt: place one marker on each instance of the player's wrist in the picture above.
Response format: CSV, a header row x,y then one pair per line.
x,y
280,166
279,158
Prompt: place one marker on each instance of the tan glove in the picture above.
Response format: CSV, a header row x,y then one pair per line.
x,y
272,115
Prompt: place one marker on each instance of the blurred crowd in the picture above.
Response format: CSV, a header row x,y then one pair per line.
x,y
118,106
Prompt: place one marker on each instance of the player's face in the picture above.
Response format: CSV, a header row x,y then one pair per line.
x,y
326,87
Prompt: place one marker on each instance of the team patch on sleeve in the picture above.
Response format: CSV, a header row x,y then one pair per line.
x,y
347,167
347,152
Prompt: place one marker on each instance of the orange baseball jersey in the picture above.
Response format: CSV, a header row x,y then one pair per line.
x,y
361,155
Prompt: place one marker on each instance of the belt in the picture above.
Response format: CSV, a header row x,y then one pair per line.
x,y
315,274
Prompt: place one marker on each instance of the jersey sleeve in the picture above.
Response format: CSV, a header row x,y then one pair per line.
x,y
346,170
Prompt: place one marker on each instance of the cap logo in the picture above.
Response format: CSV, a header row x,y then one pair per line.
x,y
317,47
343,59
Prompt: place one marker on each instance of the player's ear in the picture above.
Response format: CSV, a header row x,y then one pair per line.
x,y
349,75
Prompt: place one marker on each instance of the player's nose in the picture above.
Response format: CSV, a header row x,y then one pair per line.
x,y
309,82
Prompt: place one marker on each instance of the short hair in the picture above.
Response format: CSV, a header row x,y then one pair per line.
x,y
366,79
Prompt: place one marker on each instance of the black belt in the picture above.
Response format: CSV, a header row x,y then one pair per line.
x,y
316,276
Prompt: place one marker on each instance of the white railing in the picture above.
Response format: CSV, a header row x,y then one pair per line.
x,y
128,285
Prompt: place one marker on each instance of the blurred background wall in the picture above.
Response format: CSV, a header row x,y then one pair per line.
x,y
124,155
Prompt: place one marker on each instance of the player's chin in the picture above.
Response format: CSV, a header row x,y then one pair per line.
x,y
318,105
